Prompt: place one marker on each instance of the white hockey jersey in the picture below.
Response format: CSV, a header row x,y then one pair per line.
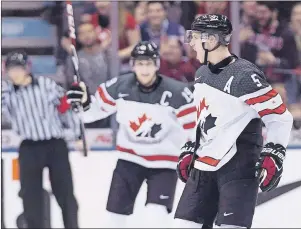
x,y
154,125
230,102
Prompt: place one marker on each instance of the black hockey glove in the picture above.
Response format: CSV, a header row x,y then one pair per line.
x,y
269,166
184,161
79,93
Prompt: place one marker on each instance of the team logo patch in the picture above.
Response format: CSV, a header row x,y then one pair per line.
x,y
201,107
208,123
204,117
145,127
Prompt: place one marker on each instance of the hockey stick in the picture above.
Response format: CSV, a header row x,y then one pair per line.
x,y
197,143
198,134
75,62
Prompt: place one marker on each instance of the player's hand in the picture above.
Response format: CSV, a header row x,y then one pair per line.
x,y
245,34
184,161
271,59
270,166
266,58
78,94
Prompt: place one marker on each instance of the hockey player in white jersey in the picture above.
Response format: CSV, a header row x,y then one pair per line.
x,y
232,98
155,114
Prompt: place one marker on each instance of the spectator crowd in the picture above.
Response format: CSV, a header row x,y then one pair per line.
x,y
270,37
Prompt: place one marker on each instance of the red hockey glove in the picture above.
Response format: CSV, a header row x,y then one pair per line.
x,y
184,161
269,166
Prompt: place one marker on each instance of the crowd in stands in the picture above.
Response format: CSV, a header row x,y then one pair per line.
x,y
270,37
274,46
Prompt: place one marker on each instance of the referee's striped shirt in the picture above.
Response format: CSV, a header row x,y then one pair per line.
x,y
34,110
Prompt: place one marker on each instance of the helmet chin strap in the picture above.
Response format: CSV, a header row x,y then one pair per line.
x,y
207,51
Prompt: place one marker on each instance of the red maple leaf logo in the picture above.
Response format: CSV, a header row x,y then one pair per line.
x,y
134,126
201,107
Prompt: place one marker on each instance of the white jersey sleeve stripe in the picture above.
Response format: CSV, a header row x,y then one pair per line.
x,y
265,101
104,95
260,99
102,105
278,110
186,116
256,93
271,104
187,119
105,102
185,110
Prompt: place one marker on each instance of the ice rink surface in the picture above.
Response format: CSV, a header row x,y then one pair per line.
x,y
92,178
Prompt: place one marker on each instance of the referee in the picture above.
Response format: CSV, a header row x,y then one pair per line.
x,y
39,113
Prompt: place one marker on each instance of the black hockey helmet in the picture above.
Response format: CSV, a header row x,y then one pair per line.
x,y
206,25
16,58
212,24
146,50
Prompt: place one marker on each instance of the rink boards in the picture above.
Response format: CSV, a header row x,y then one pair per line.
x,y
92,186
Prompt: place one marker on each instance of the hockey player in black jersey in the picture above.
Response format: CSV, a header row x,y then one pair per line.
x,y
154,113
227,163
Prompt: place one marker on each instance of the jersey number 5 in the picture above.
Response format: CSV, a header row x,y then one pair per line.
x,y
256,80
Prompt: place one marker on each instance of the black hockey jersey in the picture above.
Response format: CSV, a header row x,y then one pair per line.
x,y
230,102
154,125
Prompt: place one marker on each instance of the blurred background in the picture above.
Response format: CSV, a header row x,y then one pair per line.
x,y
266,33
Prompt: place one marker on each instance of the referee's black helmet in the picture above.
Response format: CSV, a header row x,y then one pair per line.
x,y
16,58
